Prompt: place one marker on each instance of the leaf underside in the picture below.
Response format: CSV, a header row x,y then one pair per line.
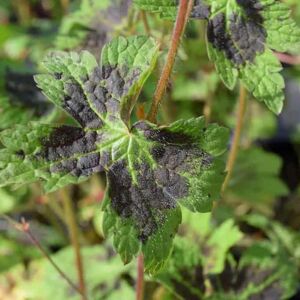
x,y
150,170
240,37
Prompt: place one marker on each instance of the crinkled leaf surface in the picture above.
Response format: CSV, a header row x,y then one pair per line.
x,y
178,165
167,9
240,37
150,169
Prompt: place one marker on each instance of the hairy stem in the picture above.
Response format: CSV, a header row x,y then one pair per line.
x,y
237,136
185,7
140,278
73,231
25,228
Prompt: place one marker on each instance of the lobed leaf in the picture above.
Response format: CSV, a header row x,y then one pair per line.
x,y
95,95
240,37
151,170
164,167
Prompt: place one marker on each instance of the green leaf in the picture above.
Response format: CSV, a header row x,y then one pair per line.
x,y
276,270
224,67
255,177
91,25
283,32
167,9
263,80
188,267
44,152
158,248
103,92
265,269
222,239
162,168
140,54
150,169
75,26
281,236
240,37
183,274
16,112
11,114
95,97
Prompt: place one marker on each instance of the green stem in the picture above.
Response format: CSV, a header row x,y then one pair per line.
x,y
73,231
184,9
237,136
140,278
145,22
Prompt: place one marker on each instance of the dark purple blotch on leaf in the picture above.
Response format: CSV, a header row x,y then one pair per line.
x,y
157,189
71,150
246,35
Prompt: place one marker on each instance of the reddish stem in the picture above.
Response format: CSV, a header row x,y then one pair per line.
x,y
237,136
288,59
181,20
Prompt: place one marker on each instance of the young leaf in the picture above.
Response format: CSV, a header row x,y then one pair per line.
x,y
240,37
150,170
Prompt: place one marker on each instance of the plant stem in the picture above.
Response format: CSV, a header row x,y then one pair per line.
x,y
73,231
25,228
237,136
140,278
65,4
208,108
140,112
288,59
181,21
145,22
